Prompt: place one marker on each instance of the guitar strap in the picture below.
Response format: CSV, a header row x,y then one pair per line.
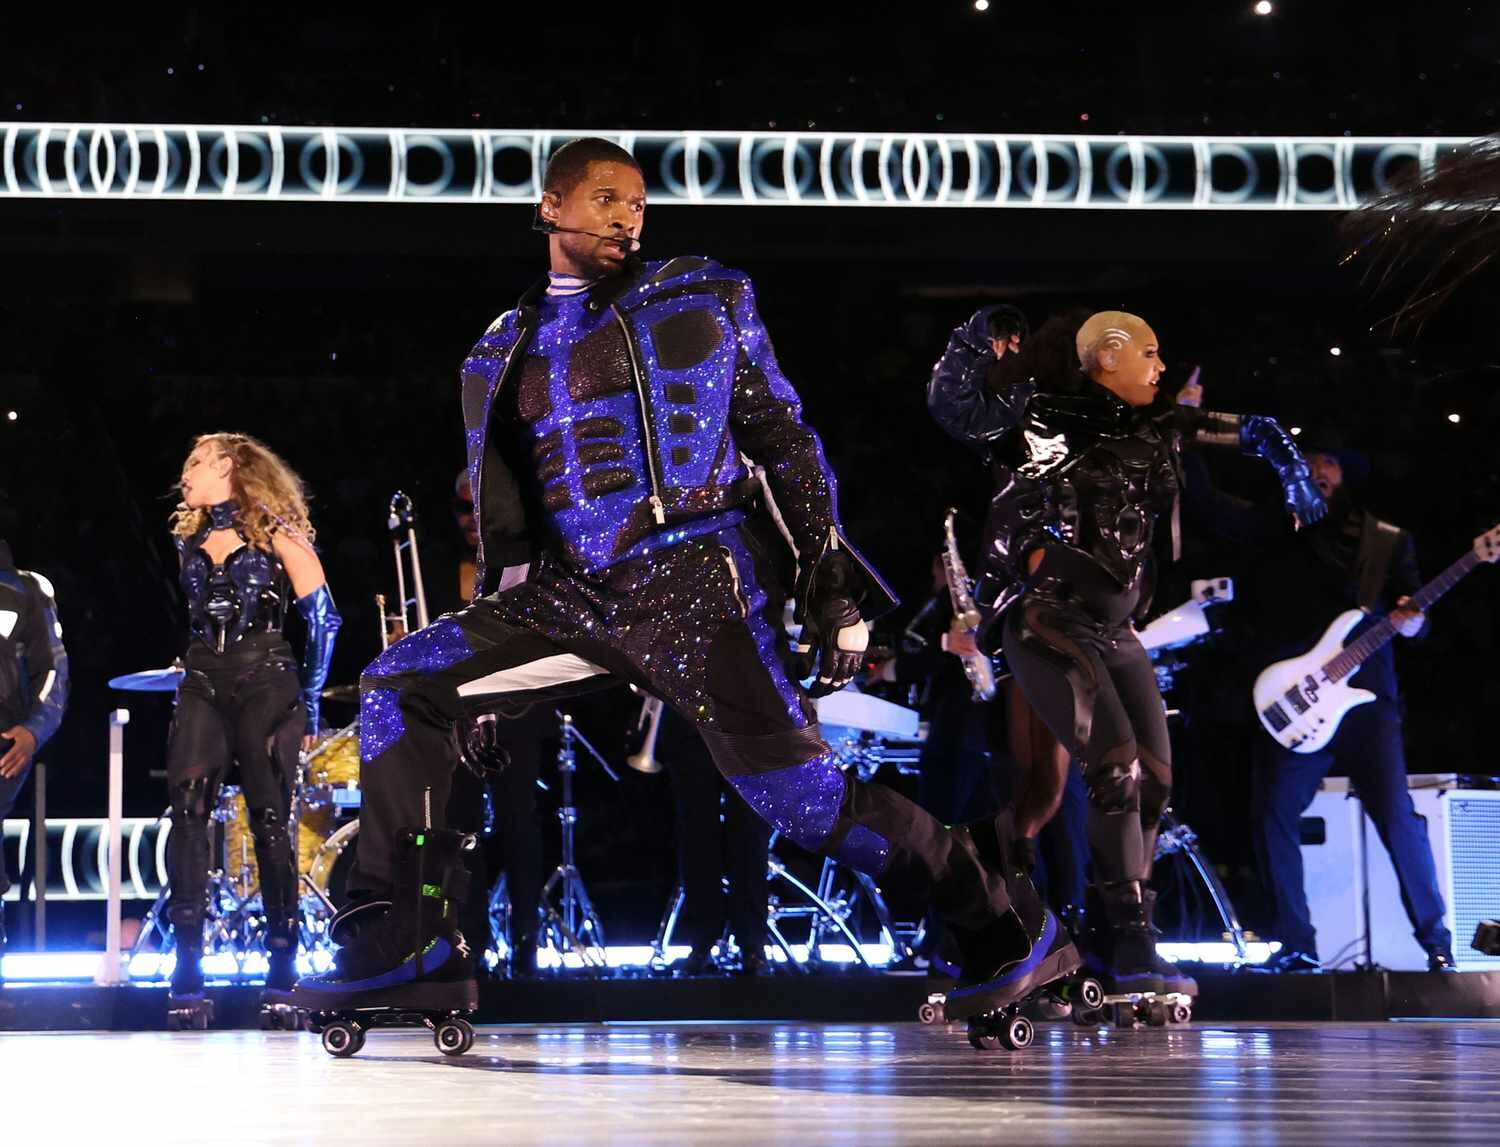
x,y
1377,548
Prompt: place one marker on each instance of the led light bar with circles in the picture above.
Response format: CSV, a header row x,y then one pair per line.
x,y
273,164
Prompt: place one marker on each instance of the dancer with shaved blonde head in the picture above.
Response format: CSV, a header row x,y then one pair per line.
x,y
1091,450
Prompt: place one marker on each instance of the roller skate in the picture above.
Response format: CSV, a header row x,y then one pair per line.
x,y
1140,987
402,962
1021,955
188,1007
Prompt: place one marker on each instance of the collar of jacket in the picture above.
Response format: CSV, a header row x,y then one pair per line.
x,y
605,292
1095,411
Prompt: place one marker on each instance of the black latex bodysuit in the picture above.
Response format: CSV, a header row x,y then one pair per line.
x,y
238,705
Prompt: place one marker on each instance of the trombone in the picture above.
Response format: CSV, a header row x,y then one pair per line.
x,y
402,524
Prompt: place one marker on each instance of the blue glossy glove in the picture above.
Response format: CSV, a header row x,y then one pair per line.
x,y
1264,437
976,332
323,622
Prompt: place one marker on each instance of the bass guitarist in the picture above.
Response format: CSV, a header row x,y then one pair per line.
x,y
1350,559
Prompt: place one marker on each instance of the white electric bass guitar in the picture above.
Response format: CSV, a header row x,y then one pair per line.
x,y
1302,700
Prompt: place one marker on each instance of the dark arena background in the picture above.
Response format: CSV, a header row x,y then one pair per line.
x,y
295,227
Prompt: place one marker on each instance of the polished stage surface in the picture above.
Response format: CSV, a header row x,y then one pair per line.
x,y
1321,1083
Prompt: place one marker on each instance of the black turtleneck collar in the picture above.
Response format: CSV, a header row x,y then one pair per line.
x,y
224,516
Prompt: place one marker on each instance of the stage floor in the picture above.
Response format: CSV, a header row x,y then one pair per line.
x,y
767,1083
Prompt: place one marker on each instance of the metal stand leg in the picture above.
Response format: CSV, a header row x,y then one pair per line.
x,y
668,925
820,914
572,922
1177,837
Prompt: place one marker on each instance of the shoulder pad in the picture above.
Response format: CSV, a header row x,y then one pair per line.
x,y
43,583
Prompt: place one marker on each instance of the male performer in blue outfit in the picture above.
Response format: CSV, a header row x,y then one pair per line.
x,y
648,495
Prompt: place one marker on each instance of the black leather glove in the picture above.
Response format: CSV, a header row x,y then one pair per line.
x,y
479,746
834,636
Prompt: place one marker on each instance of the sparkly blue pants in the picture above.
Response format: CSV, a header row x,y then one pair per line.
x,y
698,625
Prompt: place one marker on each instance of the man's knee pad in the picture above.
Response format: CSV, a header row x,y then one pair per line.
x,y
1114,784
790,779
381,723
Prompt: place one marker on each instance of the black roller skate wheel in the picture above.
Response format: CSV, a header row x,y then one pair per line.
x,y
453,1037
1156,1014
200,1020
928,1013
1053,1008
1017,1033
1090,993
1181,1013
982,1039
342,1039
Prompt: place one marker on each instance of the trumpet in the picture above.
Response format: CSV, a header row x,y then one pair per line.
x,y
402,524
977,667
644,759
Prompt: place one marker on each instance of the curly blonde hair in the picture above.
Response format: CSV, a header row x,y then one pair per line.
x,y
269,493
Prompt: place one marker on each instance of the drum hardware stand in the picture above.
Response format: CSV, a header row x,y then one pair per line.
x,y
572,924
864,888
822,914
1177,837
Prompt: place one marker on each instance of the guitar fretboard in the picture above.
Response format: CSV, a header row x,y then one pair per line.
x,y
1372,640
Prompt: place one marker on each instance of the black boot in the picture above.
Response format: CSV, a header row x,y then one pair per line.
x,y
281,951
278,892
187,938
188,1007
1007,955
3,939
1131,965
406,952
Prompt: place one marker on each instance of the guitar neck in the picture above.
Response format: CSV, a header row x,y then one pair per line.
x,y
1374,639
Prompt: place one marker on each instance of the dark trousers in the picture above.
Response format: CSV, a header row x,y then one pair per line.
x,y
10,789
698,625
719,839
516,846
1084,671
242,707
1063,848
957,782
1368,748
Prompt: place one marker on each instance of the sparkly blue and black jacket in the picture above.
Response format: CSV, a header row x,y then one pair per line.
x,y
607,425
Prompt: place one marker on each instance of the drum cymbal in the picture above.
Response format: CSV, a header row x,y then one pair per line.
x,y
150,680
341,693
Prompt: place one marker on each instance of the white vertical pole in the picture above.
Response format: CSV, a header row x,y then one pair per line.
x,y
109,970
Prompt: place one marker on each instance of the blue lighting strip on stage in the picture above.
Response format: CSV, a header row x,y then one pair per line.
x,y
274,164
224,967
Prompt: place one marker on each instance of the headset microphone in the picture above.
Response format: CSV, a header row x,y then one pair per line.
x,y
547,227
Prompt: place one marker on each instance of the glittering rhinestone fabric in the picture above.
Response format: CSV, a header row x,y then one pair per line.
x,y
800,801
440,645
865,849
380,723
